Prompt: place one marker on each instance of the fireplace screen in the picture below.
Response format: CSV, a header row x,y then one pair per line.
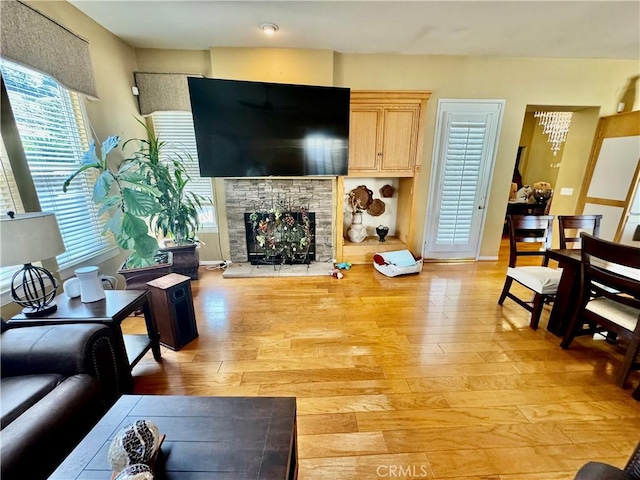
x,y
280,237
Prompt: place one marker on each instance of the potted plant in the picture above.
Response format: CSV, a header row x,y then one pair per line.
x,y
177,218
128,194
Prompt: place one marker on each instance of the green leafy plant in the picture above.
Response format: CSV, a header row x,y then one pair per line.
x,y
177,218
129,195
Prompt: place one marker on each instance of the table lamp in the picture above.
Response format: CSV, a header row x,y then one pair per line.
x,y
26,238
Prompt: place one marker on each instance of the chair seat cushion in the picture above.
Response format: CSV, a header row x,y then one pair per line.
x,y
542,280
20,393
621,314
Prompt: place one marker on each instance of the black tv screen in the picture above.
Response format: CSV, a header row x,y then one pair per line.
x,y
256,129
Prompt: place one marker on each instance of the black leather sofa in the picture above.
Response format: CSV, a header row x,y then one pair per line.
x,y
57,381
603,471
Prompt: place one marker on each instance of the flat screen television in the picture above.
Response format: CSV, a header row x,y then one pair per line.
x,y
257,129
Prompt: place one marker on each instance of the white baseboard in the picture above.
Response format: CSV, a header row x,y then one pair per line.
x,y
488,259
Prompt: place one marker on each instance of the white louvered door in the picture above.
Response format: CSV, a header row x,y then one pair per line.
x,y
464,155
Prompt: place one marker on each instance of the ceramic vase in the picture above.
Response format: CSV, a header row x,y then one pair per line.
x,y
91,289
356,231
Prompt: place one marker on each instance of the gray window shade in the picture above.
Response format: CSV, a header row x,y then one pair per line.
x,y
465,145
32,39
52,128
163,92
176,128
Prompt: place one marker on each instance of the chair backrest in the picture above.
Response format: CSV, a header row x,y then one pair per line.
x,y
591,223
526,229
612,265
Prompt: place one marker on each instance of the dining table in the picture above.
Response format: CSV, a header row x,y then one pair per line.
x,y
567,296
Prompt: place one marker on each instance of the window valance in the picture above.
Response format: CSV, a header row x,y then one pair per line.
x,y
163,92
34,40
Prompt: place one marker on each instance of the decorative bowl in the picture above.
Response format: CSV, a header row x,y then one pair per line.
x,y
382,231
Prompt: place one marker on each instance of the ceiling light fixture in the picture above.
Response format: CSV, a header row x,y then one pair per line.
x,y
556,126
269,28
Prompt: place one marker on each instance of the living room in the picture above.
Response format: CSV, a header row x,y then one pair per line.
x,y
254,320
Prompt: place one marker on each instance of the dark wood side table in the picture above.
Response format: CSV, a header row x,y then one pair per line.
x,y
206,438
118,305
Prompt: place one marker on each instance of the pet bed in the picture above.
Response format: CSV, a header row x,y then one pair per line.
x,y
400,262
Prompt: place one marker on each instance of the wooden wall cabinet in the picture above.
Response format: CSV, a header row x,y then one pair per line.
x,y
385,133
385,140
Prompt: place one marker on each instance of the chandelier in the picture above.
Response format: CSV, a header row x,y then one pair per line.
x,y
555,125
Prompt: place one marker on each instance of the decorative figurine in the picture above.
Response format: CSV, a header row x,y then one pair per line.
x,y
136,443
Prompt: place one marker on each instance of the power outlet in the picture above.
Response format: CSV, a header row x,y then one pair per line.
x,y
566,191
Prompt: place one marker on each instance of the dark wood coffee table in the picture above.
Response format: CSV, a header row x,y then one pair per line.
x,y
207,438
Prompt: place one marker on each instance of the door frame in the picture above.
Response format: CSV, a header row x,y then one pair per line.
x,y
434,169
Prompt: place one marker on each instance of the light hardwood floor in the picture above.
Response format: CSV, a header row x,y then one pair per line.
x,y
421,376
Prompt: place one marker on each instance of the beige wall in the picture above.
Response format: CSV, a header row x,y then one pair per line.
x,y
306,67
521,82
575,157
540,158
174,61
113,65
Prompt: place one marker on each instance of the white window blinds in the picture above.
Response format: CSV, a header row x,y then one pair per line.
x,y
176,128
51,123
464,153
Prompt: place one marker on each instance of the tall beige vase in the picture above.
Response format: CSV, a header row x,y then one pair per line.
x,y
356,231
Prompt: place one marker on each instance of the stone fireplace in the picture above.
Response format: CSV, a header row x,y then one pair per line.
x,y
245,195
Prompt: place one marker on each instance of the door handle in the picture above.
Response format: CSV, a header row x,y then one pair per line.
x,y
480,207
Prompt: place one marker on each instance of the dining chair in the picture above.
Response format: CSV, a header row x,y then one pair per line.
x,y
591,223
611,270
542,280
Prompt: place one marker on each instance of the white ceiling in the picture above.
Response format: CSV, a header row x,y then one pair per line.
x,y
561,29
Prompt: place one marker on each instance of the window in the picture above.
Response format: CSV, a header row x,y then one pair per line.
x,y
9,195
176,128
9,201
52,126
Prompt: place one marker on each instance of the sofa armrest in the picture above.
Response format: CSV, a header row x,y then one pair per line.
x,y
67,349
633,465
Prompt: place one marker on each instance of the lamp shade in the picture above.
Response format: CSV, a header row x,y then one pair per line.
x,y
29,237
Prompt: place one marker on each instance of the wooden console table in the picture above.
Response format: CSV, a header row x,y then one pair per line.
x,y
206,438
118,305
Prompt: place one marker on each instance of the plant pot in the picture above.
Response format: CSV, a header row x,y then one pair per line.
x,y
137,278
186,259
